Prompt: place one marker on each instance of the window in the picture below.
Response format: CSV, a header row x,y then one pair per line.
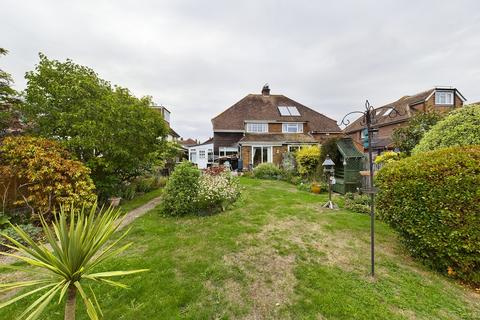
x,y
292,127
166,115
288,111
294,148
201,154
257,127
444,97
193,155
210,155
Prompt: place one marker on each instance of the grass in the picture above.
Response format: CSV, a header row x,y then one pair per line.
x,y
275,255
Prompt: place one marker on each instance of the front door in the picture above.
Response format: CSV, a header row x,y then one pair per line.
x,y
261,155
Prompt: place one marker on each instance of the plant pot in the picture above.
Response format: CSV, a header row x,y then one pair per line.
x,y
114,201
315,188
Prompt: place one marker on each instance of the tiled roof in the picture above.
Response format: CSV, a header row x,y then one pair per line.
x,y
278,137
384,117
265,107
187,142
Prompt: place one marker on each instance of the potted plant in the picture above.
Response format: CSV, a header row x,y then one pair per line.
x,y
315,187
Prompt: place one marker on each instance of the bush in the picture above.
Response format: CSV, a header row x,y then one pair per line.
x,y
34,232
308,160
433,200
267,171
357,202
43,174
460,128
181,191
217,191
406,138
388,156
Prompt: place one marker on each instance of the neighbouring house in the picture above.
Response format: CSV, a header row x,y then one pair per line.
x,y
202,154
439,99
263,127
172,134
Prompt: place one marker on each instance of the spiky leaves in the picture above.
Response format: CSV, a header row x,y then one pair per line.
x,y
75,244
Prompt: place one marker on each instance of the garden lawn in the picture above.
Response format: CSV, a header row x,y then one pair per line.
x,y
277,254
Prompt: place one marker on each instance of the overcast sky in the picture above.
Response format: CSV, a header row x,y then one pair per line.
x,y
200,57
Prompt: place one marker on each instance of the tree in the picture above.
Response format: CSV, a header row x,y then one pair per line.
x,y
8,97
77,248
460,128
116,134
43,175
406,138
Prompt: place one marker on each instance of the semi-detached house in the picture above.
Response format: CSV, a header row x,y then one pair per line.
x,y
263,127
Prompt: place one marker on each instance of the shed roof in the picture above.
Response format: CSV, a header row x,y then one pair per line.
x,y
347,148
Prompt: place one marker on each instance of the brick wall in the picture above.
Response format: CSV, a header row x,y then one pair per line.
x,y
275,127
278,154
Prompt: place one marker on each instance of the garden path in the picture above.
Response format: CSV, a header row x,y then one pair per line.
x,y
124,221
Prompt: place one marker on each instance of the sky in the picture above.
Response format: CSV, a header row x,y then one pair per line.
x,y
198,58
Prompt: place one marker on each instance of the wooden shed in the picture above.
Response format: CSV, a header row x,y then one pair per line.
x,y
347,170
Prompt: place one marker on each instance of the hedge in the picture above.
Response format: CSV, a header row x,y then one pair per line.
x,y
433,200
460,128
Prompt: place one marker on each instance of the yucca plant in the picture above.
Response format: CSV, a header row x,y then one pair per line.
x,y
76,243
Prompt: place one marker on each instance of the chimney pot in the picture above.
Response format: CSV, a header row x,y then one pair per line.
x,y
266,90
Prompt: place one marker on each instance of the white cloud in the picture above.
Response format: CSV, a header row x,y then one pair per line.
x,y
200,57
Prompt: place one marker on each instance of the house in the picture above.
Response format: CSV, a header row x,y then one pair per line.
x,y
439,99
263,127
201,154
172,134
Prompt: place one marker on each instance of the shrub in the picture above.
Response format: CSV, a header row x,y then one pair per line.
x,y
357,203
33,232
217,191
43,175
406,138
181,191
267,171
308,160
460,128
388,156
433,200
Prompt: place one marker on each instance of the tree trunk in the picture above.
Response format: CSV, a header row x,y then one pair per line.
x,y
70,303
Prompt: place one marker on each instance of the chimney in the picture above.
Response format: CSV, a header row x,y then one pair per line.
x,y
266,90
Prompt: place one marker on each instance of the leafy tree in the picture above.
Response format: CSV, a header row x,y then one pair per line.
x,y
460,128
117,135
41,175
330,148
8,97
77,249
406,138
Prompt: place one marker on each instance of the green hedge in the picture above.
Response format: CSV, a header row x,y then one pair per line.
x,y
433,200
267,171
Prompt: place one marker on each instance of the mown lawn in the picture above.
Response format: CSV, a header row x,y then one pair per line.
x,y
276,255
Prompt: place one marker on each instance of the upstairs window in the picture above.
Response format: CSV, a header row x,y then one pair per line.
x,y
288,111
444,97
292,127
257,127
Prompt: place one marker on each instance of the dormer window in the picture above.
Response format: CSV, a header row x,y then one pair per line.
x,y
257,127
444,97
292,128
289,111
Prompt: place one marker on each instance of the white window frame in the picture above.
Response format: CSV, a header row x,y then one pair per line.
x,y
269,154
201,154
286,126
257,127
193,152
445,98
